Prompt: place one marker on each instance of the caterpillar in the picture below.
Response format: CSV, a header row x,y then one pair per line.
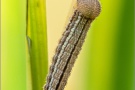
x,y
71,43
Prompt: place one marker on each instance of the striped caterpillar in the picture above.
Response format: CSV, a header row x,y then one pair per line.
x,y
71,43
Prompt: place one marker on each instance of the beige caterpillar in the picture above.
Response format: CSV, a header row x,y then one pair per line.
x,y
71,43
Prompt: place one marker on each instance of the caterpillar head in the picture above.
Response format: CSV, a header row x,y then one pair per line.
x,y
89,8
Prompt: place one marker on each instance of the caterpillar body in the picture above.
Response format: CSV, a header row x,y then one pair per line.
x,y
71,43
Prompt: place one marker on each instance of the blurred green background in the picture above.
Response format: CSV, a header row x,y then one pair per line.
x,y
106,61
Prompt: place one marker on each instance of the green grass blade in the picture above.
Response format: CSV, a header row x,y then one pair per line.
x,y
124,63
38,50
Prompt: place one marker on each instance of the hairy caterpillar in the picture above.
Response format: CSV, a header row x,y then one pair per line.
x,y
71,43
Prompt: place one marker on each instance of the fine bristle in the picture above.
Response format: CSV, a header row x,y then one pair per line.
x,y
89,8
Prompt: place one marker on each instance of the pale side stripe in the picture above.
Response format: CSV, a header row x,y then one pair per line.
x,y
72,60
78,30
65,34
65,43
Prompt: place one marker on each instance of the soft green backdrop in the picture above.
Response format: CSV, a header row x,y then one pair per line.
x,y
109,48
106,61
13,57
